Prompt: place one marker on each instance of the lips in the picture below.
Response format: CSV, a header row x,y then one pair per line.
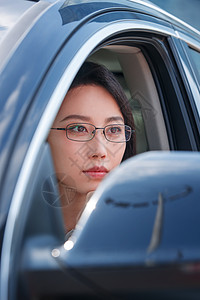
x,y
96,172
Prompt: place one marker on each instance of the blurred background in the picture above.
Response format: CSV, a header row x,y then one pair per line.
x,y
187,10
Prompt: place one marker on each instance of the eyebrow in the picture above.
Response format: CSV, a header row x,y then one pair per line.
x,y
80,117
111,119
85,118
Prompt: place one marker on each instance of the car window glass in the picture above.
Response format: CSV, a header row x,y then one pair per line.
x,y
195,59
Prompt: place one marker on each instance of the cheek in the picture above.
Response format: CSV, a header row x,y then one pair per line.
x,y
58,150
68,155
116,153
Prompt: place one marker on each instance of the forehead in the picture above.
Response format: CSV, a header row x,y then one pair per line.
x,y
90,100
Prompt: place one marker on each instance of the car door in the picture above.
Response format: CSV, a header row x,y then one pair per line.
x,y
144,52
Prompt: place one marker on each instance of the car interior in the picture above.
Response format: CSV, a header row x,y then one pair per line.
x,y
132,70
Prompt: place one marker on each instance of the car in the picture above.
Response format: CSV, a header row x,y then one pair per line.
x,y
139,233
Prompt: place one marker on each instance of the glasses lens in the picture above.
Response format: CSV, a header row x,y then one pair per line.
x,y
80,131
128,132
118,133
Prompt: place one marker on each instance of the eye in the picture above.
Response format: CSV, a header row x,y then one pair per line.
x,y
81,128
114,130
76,128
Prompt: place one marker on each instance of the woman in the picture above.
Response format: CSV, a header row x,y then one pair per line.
x,y
91,135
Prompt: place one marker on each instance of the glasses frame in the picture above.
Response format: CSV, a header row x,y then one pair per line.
x,y
94,132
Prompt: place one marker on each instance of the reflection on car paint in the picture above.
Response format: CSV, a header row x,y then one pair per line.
x,y
166,198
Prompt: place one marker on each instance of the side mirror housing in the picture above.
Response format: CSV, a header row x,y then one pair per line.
x,y
139,233
146,211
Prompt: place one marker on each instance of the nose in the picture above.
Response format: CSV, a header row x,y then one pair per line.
x,y
98,146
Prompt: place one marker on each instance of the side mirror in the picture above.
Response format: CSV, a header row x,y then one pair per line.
x,y
145,214
147,205
140,232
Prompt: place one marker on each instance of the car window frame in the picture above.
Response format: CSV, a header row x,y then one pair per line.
x,y
179,48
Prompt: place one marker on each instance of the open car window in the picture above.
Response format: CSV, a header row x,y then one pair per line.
x,y
147,73
195,58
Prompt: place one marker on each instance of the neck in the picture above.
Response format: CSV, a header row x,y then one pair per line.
x,y
73,204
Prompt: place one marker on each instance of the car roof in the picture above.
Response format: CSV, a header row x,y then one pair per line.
x,y
10,13
12,10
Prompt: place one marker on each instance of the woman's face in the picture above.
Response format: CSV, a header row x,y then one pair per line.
x,y
82,165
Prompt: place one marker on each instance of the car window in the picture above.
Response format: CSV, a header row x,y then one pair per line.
x,y
151,86
195,59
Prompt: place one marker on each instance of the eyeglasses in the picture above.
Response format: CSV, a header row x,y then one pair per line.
x,y
83,132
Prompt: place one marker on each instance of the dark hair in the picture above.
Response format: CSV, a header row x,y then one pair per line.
x,y
92,73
